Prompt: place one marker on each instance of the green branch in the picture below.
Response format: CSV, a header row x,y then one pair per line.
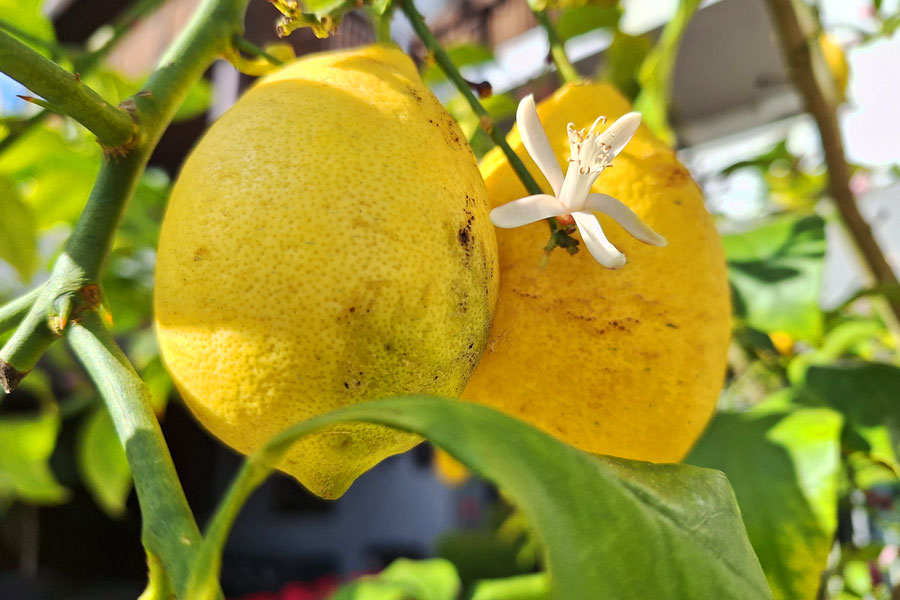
x,y
558,237
245,45
113,127
72,284
567,71
798,30
487,123
168,527
15,310
86,62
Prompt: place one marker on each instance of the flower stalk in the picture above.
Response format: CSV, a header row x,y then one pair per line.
x,y
567,71
559,237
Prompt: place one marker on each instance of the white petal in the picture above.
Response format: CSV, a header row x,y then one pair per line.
x,y
620,133
625,217
537,144
526,210
600,248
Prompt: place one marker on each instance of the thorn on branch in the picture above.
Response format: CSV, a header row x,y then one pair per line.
x,y
482,88
67,307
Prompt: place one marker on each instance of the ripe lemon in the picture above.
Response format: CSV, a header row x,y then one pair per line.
x,y
327,242
623,362
837,65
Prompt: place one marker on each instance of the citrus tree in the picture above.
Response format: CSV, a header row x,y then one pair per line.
x,y
330,290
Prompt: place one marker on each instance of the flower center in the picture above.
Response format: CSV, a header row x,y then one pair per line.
x,y
589,153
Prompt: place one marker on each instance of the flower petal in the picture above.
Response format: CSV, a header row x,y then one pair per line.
x,y
526,210
600,248
625,217
537,144
620,133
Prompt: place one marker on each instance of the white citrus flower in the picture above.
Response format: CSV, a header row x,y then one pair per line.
x,y
591,152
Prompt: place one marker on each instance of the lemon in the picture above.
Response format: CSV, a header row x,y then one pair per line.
x,y
837,64
327,242
622,362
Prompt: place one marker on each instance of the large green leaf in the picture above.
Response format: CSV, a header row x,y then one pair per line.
x,y
102,463
18,243
609,528
776,275
404,579
783,464
26,444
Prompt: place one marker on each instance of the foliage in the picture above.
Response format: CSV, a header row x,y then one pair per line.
x,y
807,435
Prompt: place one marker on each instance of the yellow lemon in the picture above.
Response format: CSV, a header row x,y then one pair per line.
x,y
623,362
327,242
837,64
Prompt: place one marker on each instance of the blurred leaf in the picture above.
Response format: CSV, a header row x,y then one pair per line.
x,y
656,73
641,530
482,554
783,466
499,106
840,339
56,173
197,101
461,55
535,586
776,274
102,463
577,20
405,579
26,444
868,396
27,16
764,161
18,243
624,57
116,87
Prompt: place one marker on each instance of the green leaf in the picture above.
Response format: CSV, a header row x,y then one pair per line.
x,y
656,73
197,101
26,444
461,55
116,87
624,57
26,15
866,394
18,241
405,579
102,463
609,528
783,465
577,20
58,173
535,586
776,274
841,339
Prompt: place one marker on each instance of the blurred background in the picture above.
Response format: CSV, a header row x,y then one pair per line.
x,y
69,524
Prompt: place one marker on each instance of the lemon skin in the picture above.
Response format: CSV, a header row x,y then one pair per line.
x,y
622,362
327,242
